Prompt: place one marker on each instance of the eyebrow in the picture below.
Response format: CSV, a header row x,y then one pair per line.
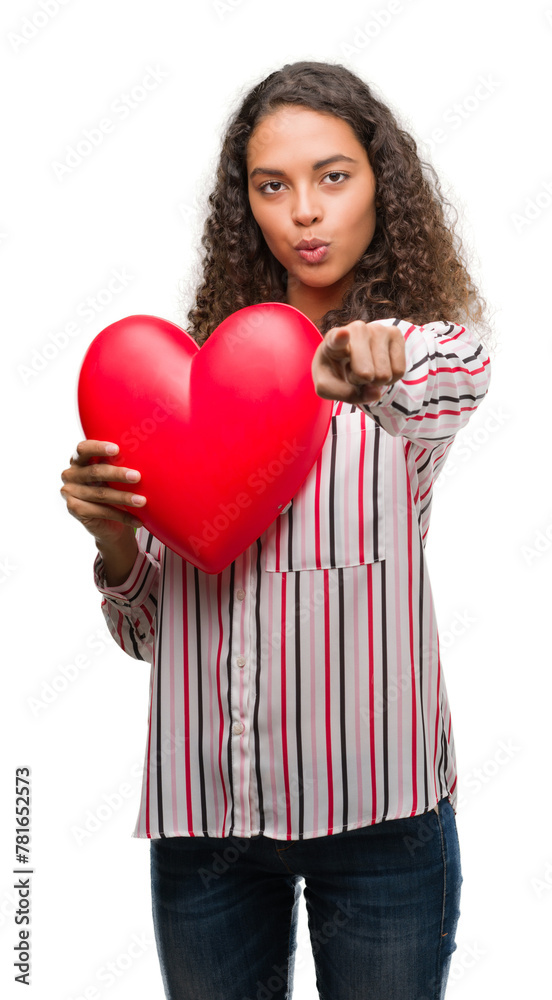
x,y
315,166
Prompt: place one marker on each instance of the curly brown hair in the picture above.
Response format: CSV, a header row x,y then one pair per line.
x,y
414,266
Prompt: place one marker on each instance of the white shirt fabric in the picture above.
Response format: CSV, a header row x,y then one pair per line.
x,y
300,692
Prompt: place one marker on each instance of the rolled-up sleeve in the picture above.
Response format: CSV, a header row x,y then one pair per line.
x,y
130,609
447,375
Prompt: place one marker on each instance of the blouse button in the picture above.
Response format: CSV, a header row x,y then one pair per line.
x,y
240,595
238,728
241,661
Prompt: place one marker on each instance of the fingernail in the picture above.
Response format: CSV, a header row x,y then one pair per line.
x,y
112,449
137,500
133,476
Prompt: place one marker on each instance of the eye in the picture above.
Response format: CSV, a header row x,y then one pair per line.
x,y
336,173
266,183
332,173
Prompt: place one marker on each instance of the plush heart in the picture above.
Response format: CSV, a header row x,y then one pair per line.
x,y
223,436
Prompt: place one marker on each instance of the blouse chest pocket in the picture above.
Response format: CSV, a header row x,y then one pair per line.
x,y
337,517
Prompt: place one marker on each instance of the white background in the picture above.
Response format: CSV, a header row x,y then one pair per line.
x,y
137,203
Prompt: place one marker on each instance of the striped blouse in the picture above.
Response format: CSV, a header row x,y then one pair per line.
x,y
300,691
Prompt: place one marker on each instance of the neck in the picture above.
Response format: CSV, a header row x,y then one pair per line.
x,y
316,302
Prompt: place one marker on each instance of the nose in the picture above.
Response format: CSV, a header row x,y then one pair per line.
x,y
306,208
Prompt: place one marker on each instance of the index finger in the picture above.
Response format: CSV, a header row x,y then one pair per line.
x,y
88,449
337,343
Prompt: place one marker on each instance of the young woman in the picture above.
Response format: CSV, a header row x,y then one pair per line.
x,y
299,725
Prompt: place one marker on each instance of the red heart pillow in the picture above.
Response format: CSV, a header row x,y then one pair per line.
x,y
223,436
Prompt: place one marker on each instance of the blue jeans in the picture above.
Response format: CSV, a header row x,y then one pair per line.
x,y
382,905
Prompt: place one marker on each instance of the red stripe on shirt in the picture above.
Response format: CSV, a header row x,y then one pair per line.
x,y
219,696
186,683
284,706
328,695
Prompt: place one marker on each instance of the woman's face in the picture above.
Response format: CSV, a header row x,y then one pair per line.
x,y
296,194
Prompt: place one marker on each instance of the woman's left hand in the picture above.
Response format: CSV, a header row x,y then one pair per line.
x,y
356,362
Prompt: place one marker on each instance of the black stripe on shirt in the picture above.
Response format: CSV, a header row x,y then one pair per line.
x,y
132,634
133,596
421,662
290,537
435,402
342,713
158,752
375,487
298,730
384,684
229,681
258,646
423,510
441,768
202,790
